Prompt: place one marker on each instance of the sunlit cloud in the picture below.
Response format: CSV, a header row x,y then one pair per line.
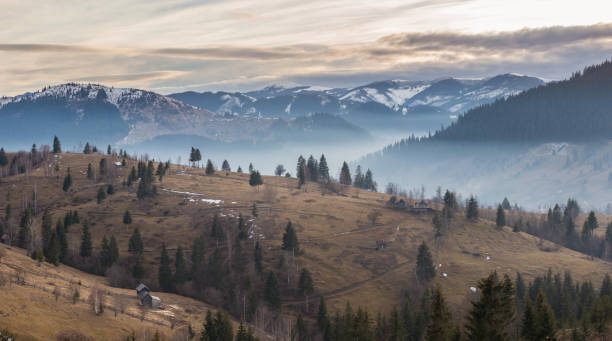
x,y
241,44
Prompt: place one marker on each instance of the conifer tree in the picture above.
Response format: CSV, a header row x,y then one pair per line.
x,y
493,311
127,217
301,171
345,175
272,292
590,224
23,237
85,241
63,240
544,319
254,210
500,220
135,244
90,174
251,168
210,168
197,259
67,181
440,326
57,147
290,239
3,158
258,257
239,170
105,257
138,269
609,236
132,177
110,189
108,150
313,169
87,149
103,167
300,330
323,168
242,229
506,204
216,232
226,166
165,272
322,317
606,286
305,283
180,269
255,179
369,182
101,195
471,211
113,250
528,326
54,252
47,231
425,269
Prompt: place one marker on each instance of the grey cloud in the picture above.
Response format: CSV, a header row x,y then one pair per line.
x,y
538,38
46,48
154,75
233,52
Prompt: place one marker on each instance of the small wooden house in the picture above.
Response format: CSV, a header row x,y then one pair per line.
x,y
146,299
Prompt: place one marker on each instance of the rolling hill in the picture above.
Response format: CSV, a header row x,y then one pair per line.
x,y
336,227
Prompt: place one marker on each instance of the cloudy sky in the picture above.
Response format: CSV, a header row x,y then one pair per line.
x,y
179,45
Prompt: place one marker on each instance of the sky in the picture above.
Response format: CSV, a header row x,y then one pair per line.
x,y
237,45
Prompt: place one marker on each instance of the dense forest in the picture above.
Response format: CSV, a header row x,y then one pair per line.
x,y
577,109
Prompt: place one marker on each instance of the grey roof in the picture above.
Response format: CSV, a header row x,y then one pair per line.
x,y
141,286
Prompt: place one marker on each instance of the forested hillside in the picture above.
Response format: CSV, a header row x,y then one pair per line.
x,y
577,109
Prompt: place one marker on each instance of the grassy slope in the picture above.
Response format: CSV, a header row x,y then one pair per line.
x,y
335,233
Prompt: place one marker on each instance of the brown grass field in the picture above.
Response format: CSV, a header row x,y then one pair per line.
x,y
336,235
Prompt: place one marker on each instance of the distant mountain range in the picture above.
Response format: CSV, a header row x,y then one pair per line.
x,y
392,97
122,116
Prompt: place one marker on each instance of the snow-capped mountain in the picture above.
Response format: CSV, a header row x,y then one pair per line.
x,y
399,97
125,116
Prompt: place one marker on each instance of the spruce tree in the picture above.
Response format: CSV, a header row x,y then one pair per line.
x,y
493,312
105,257
67,181
313,169
440,326
3,158
85,241
606,286
57,147
54,252
210,168
110,189
127,217
23,237
471,211
108,150
528,324
87,149
254,210
90,173
322,317
251,168
226,166
590,224
345,175
101,195
197,260
113,250
255,179
425,269
47,231
301,171
239,170
135,244
305,283
300,330
500,220
290,239
272,292
544,319
242,229
165,272
180,268
103,167
323,168
138,269
216,232
63,240
258,258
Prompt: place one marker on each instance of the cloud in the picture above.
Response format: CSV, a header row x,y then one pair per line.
x,y
132,77
538,38
37,48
